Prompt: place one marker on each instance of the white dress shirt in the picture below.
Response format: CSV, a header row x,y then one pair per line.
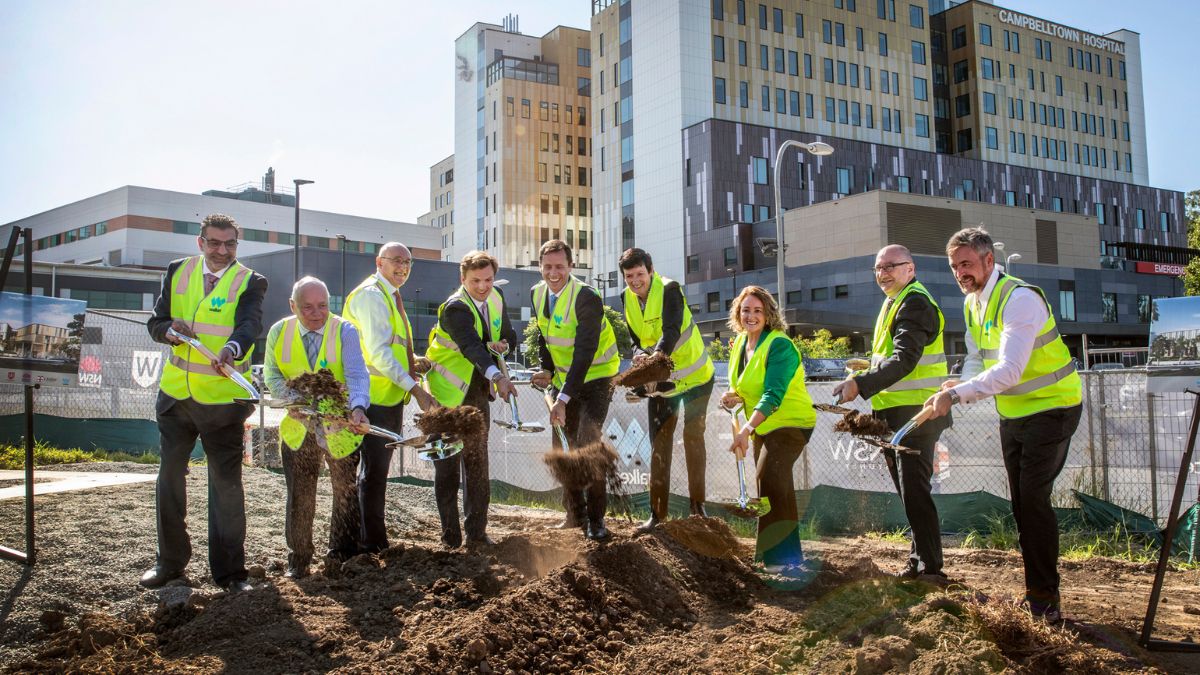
x,y
233,346
373,309
1023,318
481,307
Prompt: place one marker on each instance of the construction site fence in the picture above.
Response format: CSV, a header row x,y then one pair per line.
x,y
1126,450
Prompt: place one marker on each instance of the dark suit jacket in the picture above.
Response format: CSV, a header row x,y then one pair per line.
x,y
459,321
247,319
590,312
672,321
915,327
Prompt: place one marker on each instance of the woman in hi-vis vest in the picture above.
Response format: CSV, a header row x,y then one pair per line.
x,y
766,380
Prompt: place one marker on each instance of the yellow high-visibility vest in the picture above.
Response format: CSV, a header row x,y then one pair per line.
x,y
925,379
749,381
692,365
451,373
559,333
293,362
383,390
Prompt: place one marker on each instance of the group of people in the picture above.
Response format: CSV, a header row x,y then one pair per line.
x,y
1015,355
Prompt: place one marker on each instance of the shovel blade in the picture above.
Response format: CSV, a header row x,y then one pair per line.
x,y
440,452
753,508
531,427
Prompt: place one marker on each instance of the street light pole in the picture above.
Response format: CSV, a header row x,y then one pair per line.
x,y
820,150
1008,261
602,281
342,288
296,244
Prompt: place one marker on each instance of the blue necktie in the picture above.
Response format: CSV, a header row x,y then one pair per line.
x,y
311,347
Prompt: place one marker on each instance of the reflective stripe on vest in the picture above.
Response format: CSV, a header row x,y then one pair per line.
x,y
292,360
212,317
450,376
795,410
383,390
692,365
927,376
559,333
1049,380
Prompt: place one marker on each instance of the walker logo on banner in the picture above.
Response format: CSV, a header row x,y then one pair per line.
x,y
145,368
1160,268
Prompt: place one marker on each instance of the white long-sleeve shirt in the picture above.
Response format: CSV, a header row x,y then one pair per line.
x,y
1023,318
373,310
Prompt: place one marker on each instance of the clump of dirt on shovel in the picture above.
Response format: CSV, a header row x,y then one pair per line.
x,y
464,421
862,424
656,368
322,391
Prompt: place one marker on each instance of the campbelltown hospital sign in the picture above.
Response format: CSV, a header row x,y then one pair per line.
x,y
1064,32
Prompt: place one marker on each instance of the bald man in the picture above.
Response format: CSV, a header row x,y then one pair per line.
x,y
376,308
908,364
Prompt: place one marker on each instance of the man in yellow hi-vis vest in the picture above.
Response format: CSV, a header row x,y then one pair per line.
x,y
306,342
1016,355
908,364
376,308
579,358
217,300
659,321
472,332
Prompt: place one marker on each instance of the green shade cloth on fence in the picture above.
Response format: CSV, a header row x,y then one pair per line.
x,y
132,436
1103,516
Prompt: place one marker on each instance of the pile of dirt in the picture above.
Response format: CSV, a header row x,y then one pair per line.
x,y
706,536
322,391
653,369
464,421
862,424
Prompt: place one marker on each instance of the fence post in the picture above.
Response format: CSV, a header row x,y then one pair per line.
x,y
1091,414
1103,435
1153,456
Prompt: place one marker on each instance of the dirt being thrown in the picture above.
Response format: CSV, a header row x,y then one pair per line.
x,y
656,368
465,421
322,391
862,424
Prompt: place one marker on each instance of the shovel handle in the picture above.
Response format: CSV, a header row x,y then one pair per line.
x,y
923,416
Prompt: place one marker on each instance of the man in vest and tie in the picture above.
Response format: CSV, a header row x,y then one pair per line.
x,y
306,342
579,358
1016,356
217,300
908,364
376,308
472,334
659,321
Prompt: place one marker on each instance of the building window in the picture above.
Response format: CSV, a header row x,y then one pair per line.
x,y
1066,305
1108,303
918,52
841,291
1099,213
961,72
693,263
985,34
741,12
714,302
1010,198
583,57
718,48
525,108
964,140
759,165
718,10
992,138
845,180
902,182
747,213
795,297
916,16
1140,219
1056,204
922,126
921,89
108,299
777,17
962,105
819,293
1145,308
744,94
1164,221
989,103
730,256
719,89
883,50
958,37
185,227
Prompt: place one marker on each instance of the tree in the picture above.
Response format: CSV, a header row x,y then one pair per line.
x,y
1191,274
718,350
822,345
620,332
70,348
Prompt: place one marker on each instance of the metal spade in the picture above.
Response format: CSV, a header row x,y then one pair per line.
x,y
562,435
832,407
745,507
226,369
515,423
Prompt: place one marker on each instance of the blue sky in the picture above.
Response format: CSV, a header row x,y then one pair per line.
x,y
355,95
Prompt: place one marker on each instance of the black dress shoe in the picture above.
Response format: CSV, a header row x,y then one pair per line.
x,y
598,532
158,576
698,509
298,572
237,586
647,527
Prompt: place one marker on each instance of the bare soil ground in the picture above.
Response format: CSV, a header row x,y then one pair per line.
x,y
543,600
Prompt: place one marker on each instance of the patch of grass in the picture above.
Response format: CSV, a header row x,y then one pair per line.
x,y
13,456
1001,533
516,498
896,536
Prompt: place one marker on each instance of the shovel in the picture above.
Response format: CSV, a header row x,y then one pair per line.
x,y
745,507
832,407
429,446
894,443
562,435
515,423
226,369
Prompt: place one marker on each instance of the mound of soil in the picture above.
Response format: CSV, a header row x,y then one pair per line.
x,y
862,424
706,536
465,421
655,368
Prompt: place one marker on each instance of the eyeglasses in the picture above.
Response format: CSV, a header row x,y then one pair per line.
x,y
887,268
401,262
216,244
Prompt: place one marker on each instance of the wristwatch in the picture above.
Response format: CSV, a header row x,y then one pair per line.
x,y
954,399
